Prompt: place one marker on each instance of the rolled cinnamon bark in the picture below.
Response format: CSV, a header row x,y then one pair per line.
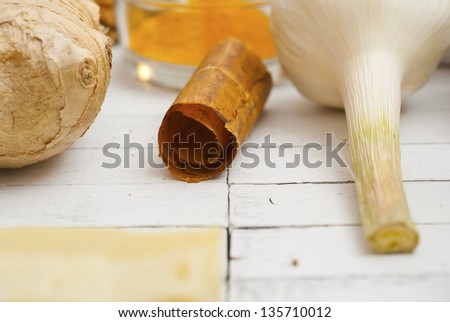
x,y
206,125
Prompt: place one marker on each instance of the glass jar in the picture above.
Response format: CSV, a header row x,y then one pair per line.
x,y
167,39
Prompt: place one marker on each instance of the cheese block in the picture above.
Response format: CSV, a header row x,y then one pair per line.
x,y
110,265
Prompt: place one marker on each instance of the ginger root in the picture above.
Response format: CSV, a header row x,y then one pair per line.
x,y
54,71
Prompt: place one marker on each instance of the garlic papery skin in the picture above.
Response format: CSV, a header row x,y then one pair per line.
x,y
366,56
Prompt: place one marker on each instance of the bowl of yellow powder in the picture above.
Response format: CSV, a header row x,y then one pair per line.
x,y
166,40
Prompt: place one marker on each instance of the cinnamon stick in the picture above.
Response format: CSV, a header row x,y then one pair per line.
x,y
206,125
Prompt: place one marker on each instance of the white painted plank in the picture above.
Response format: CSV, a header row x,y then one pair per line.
x,y
85,167
152,100
420,162
131,108
245,170
326,204
177,204
127,97
357,289
108,128
437,88
332,252
290,118
296,125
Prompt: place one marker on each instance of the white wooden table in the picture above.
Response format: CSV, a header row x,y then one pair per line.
x,y
294,234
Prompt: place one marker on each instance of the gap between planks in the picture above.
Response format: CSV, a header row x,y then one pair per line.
x,y
229,239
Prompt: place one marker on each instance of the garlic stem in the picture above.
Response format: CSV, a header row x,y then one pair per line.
x,y
372,98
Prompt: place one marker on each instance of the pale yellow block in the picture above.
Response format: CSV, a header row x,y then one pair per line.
x,y
110,265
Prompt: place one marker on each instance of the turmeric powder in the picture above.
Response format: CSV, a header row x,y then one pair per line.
x,y
185,35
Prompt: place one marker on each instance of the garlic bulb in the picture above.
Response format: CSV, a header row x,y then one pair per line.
x,y
54,71
366,56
